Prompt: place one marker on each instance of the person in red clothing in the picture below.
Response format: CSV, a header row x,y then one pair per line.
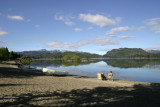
x,y
103,76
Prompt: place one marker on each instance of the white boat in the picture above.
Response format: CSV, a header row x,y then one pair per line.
x,y
54,72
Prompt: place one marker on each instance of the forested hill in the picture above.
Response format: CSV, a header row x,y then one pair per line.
x,y
114,53
125,53
56,54
42,51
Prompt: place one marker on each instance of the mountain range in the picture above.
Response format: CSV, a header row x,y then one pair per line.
x,y
153,51
44,51
114,53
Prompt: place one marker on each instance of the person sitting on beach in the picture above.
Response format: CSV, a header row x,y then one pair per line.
x,y
110,75
103,76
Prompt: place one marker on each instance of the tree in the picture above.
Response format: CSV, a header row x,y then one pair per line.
x,y
24,60
4,54
66,57
11,55
76,58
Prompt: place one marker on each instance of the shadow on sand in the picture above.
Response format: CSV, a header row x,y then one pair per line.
x,y
18,73
138,96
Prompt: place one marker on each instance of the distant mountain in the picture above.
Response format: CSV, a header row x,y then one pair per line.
x,y
124,52
42,51
51,54
153,51
114,53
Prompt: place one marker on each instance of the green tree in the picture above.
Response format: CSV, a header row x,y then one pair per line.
x,y
76,58
66,57
4,54
11,55
25,60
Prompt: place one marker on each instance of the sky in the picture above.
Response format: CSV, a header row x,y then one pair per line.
x,y
94,26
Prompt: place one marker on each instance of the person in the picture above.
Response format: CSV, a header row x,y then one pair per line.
x,y
110,75
103,76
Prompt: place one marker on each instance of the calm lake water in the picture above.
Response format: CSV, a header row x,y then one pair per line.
x,y
147,70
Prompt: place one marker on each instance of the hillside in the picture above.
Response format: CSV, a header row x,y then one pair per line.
x,y
124,53
114,53
53,54
42,51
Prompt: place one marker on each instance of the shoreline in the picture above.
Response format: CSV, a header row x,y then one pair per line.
x,y
12,66
33,88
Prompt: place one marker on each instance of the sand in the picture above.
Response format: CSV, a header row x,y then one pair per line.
x,y
33,88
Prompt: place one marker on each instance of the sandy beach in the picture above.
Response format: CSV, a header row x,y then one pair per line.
x,y
33,88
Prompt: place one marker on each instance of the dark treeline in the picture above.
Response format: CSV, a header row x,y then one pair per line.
x,y
114,53
147,55
6,55
130,53
64,55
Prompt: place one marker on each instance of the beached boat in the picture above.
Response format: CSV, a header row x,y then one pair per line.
x,y
54,72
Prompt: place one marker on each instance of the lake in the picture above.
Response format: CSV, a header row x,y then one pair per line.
x,y
147,70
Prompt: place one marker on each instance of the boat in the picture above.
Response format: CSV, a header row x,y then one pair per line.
x,y
54,72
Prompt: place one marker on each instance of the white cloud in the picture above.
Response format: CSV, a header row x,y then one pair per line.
x,y
69,23
117,29
77,29
90,28
101,41
154,23
99,20
104,41
141,28
66,20
125,37
3,32
156,28
58,17
105,50
16,17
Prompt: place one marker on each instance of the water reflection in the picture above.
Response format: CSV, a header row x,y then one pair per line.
x,y
147,70
121,63
131,63
58,63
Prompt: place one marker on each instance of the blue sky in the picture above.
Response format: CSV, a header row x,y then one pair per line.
x,y
94,26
